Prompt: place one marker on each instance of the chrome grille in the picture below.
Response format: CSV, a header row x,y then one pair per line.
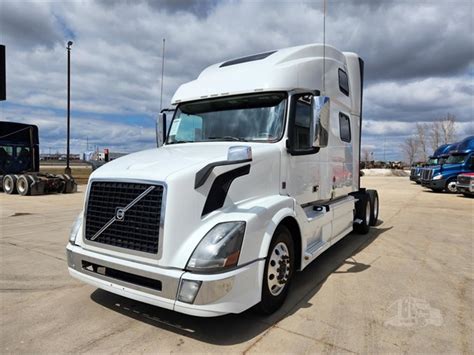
x,y
138,230
426,174
464,180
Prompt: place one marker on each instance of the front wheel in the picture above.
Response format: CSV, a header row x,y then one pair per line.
x,y
278,273
451,186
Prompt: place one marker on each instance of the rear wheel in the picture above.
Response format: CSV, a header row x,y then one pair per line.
x,y
374,206
23,185
9,184
278,273
451,185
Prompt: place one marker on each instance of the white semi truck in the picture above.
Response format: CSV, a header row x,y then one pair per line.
x,y
257,175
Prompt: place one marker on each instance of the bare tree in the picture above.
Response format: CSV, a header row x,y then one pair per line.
x,y
422,136
448,128
410,148
435,135
443,131
366,154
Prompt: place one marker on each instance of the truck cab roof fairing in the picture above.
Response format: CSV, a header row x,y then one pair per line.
x,y
284,69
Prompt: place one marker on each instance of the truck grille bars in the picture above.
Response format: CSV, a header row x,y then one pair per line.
x,y
124,215
426,174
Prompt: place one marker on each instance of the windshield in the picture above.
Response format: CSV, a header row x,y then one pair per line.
x,y
455,159
257,117
432,161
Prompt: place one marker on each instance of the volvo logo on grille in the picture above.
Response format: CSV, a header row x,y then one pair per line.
x,y
120,214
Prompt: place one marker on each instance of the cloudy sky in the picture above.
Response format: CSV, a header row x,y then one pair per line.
x,y
418,53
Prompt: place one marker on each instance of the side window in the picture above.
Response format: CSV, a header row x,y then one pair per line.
x,y
187,128
301,131
343,82
344,127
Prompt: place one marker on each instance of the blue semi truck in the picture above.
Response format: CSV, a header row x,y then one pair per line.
x,y
441,153
443,177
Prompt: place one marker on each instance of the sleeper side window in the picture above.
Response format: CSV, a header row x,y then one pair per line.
x,y
344,127
343,82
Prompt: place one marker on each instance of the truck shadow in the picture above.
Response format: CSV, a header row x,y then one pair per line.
x,y
235,329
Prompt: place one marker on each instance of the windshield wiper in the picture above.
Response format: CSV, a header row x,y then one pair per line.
x,y
228,138
178,142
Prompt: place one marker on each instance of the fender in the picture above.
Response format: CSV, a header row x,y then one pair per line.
x,y
280,215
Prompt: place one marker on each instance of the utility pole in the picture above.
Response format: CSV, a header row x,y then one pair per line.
x,y
69,44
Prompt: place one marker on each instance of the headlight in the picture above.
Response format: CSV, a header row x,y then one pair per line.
x,y
75,227
219,249
438,177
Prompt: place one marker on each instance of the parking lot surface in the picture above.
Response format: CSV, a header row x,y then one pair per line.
x,y
407,286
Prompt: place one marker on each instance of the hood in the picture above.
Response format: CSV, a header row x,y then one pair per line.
x,y
446,168
159,164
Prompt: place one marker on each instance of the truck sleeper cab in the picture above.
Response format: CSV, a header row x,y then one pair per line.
x,y
257,175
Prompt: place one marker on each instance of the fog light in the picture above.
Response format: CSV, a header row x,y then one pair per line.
x,y
188,290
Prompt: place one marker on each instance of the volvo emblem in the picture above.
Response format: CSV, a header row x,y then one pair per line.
x,y
120,214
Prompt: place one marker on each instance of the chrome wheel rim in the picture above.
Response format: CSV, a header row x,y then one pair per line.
x,y
278,269
452,186
376,208
367,213
8,184
22,186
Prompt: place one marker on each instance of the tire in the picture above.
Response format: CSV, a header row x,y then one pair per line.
x,y
374,207
9,184
23,185
363,211
466,194
437,190
278,272
451,186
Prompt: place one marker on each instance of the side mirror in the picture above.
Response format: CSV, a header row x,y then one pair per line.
x,y
320,121
160,129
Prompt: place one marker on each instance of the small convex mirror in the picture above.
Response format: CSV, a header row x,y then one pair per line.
x,y
160,129
239,152
320,121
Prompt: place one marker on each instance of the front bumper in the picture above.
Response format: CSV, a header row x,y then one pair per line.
x,y
466,189
434,184
230,292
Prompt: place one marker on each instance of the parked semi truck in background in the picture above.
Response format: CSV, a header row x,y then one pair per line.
x,y
20,163
437,158
258,175
444,176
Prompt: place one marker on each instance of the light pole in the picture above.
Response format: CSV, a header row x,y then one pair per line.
x,y
69,44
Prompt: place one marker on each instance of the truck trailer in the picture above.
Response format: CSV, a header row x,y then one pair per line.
x,y
19,163
443,177
256,176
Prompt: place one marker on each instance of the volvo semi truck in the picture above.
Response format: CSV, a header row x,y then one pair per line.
x,y
256,176
19,163
444,177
